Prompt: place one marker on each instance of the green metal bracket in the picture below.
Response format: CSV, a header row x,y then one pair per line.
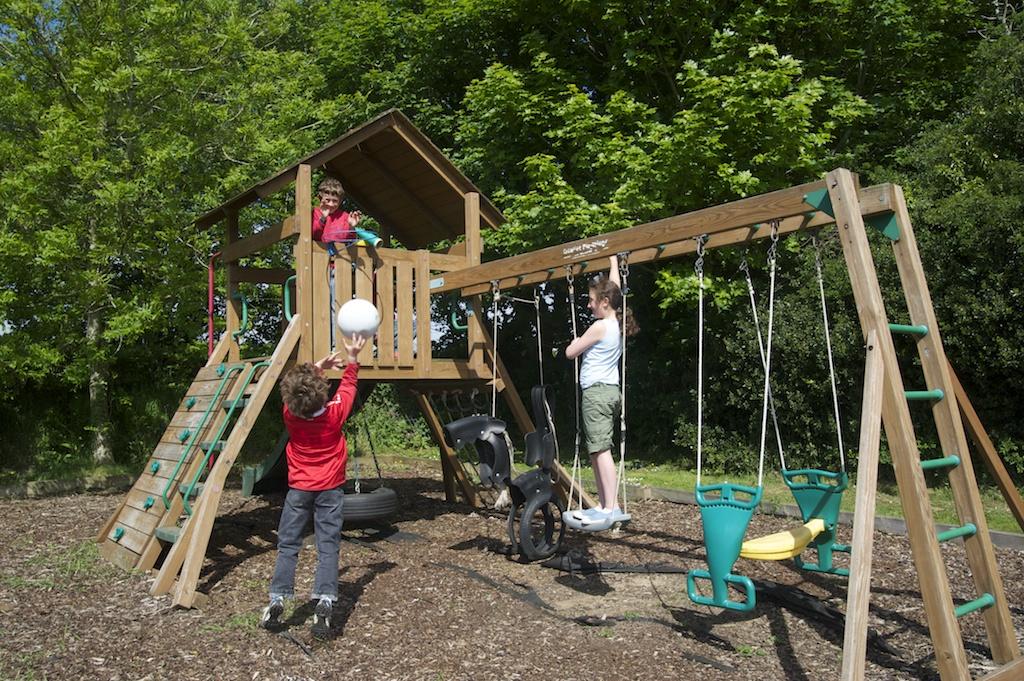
x,y
118,533
936,394
968,530
184,435
984,601
820,200
190,402
950,461
154,467
912,329
886,224
148,503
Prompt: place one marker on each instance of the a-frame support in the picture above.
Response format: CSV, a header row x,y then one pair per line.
x,y
941,615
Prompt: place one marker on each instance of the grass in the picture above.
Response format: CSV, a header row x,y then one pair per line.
x,y
776,492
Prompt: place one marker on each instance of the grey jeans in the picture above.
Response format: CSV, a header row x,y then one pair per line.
x,y
325,508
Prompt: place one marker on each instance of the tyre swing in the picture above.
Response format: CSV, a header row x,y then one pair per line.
x,y
535,518
574,519
365,507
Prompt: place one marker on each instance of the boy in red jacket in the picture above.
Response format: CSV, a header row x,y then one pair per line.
x,y
316,455
330,224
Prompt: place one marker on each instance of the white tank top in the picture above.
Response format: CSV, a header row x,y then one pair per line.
x,y
601,360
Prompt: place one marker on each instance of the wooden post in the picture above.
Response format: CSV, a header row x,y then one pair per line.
x,y
304,260
858,590
423,325
474,251
989,455
232,307
950,655
323,317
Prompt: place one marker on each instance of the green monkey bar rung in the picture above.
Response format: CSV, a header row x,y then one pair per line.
x,y
946,461
968,530
936,394
912,329
983,601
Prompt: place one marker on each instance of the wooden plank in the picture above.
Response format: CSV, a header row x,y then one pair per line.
x,y
873,200
858,590
950,656
260,240
423,321
980,551
474,251
440,369
121,556
404,310
386,305
140,520
304,273
442,262
201,523
780,204
1013,671
132,539
364,280
323,316
232,307
203,514
989,454
469,491
263,275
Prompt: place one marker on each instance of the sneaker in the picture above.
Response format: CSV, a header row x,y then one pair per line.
x,y
322,618
584,514
271,616
599,517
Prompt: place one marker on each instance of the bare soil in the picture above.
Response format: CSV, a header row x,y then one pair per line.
x,y
440,600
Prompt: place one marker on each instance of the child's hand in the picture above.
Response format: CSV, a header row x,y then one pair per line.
x,y
329,362
353,346
354,218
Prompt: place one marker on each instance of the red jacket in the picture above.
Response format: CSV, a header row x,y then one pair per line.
x,y
316,450
333,227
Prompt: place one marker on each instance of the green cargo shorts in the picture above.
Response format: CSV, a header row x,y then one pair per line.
x,y
600,406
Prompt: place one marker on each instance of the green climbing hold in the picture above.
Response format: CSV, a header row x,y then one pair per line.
x,y
154,467
184,435
190,402
147,504
118,533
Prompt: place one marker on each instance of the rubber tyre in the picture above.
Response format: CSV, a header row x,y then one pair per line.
x,y
368,507
529,543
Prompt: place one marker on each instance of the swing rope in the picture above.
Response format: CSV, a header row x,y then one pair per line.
x,y
760,347
698,268
495,295
623,277
772,254
828,345
577,475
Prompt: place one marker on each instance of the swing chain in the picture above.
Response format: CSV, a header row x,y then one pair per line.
x,y
698,265
624,270
773,249
495,290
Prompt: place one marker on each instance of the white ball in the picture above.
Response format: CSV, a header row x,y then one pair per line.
x,y
358,316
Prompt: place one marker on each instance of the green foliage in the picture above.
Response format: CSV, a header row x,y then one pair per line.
x,y
393,421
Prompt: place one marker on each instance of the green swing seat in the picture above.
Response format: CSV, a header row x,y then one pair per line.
x,y
724,518
819,493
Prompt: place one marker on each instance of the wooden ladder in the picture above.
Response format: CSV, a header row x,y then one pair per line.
x,y
940,611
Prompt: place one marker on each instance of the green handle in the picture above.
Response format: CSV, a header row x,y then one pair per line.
x,y
288,297
984,601
245,315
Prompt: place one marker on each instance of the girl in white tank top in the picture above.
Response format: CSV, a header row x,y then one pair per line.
x,y
600,347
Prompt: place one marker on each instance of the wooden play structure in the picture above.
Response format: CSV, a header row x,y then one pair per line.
x,y
397,176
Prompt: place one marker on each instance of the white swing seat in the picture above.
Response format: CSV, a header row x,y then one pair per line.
x,y
571,520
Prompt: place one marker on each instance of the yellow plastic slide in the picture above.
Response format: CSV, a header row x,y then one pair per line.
x,y
782,545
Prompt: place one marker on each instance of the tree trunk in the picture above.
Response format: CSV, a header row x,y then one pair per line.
x,y
99,407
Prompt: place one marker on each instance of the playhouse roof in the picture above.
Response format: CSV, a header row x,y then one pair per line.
x,y
394,173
